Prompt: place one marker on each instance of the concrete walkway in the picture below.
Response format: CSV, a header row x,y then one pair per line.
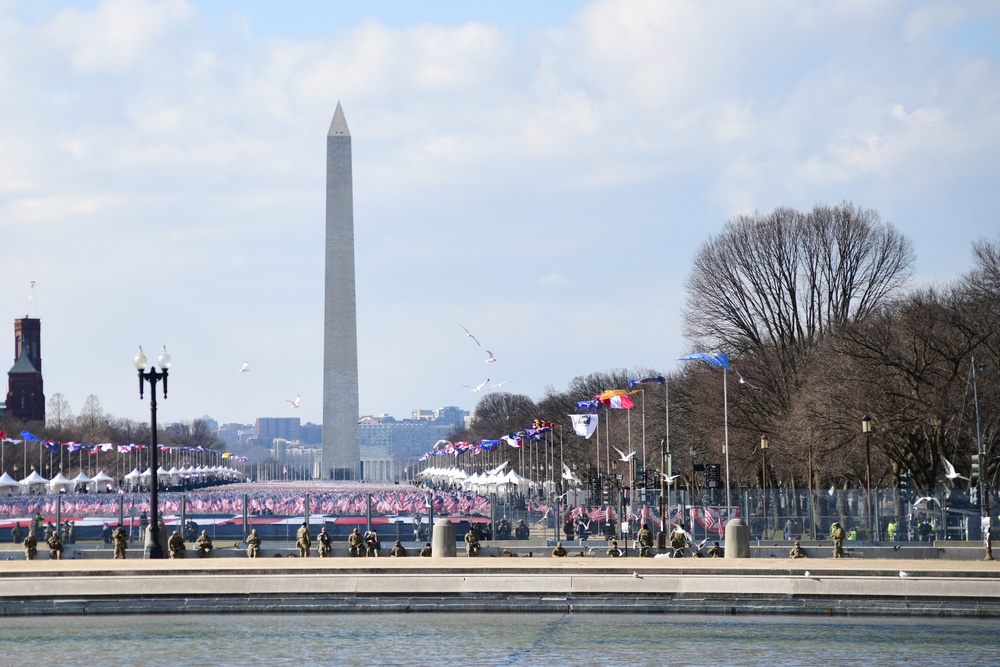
x,y
815,586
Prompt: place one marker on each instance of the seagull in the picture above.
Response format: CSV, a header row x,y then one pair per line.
x,y
950,472
831,490
806,573
925,502
296,403
569,476
625,457
478,388
743,380
670,478
702,544
636,575
469,335
499,385
489,357
245,367
903,575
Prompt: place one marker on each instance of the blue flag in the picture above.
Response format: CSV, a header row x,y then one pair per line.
x,y
656,378
27,435
714,359
592,404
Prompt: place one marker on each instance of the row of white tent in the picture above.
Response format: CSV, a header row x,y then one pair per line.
x,y
35,483
491,482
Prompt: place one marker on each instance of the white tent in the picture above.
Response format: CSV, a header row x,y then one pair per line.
x,y
102,479
35,483
9,486
135,474
61,484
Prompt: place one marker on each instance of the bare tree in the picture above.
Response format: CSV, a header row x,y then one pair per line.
x,y
58,413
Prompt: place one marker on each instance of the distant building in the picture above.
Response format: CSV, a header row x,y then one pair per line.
x,y
270,428
403,441
311,434
25,396
235,434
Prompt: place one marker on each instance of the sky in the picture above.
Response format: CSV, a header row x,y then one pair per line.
x,y
539,173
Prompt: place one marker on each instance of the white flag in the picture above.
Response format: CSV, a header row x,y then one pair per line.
x,y
584,425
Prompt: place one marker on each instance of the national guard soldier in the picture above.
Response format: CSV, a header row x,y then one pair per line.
x,y
797,551
521,530
559,551
16,533
303,541
398,551
426,551
176,545
645,539
372,544
472,541
120,538
325,543
204,544
30,546
678,540
253,544
613,550
716,551
55,546
354,541
837,535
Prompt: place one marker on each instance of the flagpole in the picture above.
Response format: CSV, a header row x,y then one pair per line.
x,y
643,434
725,402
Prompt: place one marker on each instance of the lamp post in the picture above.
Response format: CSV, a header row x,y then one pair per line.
x,y
153,548
866,428
763,478
984,500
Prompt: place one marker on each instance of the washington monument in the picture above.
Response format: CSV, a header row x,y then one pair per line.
x,y
341,452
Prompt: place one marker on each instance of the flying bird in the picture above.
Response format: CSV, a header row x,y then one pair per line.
x,y
925,502
489,357
469,335
499,385
670,478
478,388
743,380
569,476
296,403
245,367
950,472
625,457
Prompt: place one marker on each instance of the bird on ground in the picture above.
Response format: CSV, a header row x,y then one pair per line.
x,y
245,367
469,335
624,457
489,357
478,388
636,575
498,385
950,472
903,575
806,573
296,403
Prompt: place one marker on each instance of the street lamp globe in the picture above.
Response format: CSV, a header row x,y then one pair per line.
x,y
164,359
141,362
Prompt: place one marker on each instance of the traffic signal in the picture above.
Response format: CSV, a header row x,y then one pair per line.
x,y
974,477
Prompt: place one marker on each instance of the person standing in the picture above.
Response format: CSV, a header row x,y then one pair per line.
x,y
106,534
17,533
472,542
837,535
303,541
120,538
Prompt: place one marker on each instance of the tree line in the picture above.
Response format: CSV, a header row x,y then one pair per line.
x,y
819,315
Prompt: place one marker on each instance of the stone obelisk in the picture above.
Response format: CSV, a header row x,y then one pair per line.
x,y
341,452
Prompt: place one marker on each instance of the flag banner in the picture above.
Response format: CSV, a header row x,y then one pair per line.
x,y
604,396
513,440
619,403
592,404
659,379
489,445
51,446
584,425
714,359
27,435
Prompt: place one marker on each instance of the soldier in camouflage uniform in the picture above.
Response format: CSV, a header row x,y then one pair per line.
x,y
325,543
472,542
30,546
837,535
645,539
253,544
55,547
120,538
559,551
354,541
303,541
426,551
204,544
176,545
398,551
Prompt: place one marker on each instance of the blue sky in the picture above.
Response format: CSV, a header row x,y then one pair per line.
x,y
541,173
